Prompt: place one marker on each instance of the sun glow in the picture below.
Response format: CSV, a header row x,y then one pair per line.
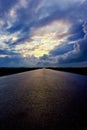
x,y
44,39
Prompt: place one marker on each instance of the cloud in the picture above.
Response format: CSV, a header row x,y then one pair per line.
x,y
43,30
44,39
61,49
68,54
79,52
17,61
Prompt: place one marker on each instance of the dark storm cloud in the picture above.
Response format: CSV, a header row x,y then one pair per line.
x,y
74,54
5,6
76,31
6,52
11,61
79,53
61,49
18,61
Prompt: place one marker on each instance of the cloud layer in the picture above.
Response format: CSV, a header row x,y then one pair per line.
x,y
43,33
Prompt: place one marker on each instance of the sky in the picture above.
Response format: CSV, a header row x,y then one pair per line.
x,y
42,33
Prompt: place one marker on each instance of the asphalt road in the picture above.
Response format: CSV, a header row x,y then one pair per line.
x,y
43,100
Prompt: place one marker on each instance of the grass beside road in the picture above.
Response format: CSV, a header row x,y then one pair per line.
x,y
9,71
81,71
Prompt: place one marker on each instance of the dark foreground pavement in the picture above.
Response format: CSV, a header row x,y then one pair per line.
x,y
43,100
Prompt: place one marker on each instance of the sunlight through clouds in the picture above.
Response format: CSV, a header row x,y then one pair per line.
x,y
44,39
42,30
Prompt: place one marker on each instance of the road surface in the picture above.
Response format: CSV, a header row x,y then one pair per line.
x,y
43,100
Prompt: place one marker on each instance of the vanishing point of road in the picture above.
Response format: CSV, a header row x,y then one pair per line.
x,y
43,99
